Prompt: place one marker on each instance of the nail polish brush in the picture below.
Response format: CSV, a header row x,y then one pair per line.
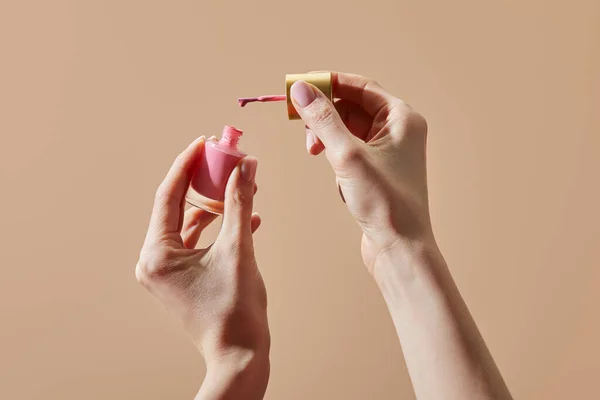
x,y
321,80
261,99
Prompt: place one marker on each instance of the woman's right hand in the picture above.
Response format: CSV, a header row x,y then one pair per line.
x,y
376,145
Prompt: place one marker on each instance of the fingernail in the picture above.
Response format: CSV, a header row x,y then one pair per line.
x,y
310,140
248,169
341,193
302,93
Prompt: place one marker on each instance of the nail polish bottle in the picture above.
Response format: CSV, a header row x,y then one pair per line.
x,y
217,161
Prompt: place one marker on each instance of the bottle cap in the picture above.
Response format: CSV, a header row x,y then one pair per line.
x,y
321,80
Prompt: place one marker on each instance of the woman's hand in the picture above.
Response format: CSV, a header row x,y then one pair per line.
x,y
376,145
217,292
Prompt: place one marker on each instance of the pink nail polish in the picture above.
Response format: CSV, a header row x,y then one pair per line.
x,y
217,161
310,140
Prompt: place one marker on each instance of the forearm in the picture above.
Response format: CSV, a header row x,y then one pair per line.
x,y
239,375
444,351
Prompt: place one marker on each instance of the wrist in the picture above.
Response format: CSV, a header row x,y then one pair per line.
x,y
236,373
407,265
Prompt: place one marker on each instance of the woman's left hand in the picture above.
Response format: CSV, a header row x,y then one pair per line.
x,y
217,292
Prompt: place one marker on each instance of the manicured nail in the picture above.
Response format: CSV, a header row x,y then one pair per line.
x,y
341,193
248,169
302,93
310,140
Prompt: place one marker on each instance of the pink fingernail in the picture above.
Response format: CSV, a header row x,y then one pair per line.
x,y
310,140
248,171
302,93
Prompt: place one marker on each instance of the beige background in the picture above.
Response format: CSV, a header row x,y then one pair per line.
x,y
98,97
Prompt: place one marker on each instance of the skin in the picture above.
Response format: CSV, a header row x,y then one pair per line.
x,y
216,292
376,145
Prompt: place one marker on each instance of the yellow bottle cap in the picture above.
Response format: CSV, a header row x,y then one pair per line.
x,y
321,80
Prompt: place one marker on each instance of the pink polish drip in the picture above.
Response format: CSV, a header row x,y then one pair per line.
x,y
261,99
217,162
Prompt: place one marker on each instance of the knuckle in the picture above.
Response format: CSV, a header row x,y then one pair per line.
x,y
364,82
164,194
161,192
349,156
151,266
399,110
242,197
372,83
416,123
139,275
411,121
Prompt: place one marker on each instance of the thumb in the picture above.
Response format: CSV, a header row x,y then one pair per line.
x,y
320,116
239,199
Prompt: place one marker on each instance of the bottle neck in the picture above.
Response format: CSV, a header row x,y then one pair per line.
x,y
230,137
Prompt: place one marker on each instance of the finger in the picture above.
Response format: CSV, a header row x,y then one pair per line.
x,y
169,201
314,146
194,222
255,222
356,119
365,92
321,117
239,198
